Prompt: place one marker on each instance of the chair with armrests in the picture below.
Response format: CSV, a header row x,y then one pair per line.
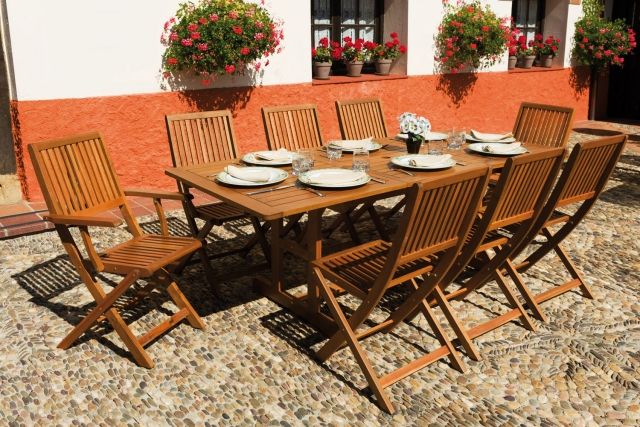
x,y
516,201
203,137
583,178
437,218
80,185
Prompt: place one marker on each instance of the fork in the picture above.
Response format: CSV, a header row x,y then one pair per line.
x,y
403,171
312,190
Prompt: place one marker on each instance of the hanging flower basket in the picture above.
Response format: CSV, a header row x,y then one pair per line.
x,y
216,37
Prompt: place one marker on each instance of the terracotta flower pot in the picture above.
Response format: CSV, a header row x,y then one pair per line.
x,y
512,62
383,67
547,61
321,70
354,68
413,144
527,61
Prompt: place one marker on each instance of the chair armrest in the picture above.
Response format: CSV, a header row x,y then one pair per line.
x,y
154,194
83,220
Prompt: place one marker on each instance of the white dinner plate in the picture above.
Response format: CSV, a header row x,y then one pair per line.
x,y
485,148
252,158
277,175
373,146
431,136
308,177
403,161
501,141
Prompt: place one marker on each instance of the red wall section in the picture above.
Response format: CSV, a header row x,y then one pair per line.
x,y
134,130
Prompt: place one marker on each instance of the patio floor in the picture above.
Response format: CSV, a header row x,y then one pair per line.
x,y
253,363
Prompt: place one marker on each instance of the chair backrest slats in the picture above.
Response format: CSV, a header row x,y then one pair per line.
x,y
361,118
442,208
540,124
203,137
292,127
76,174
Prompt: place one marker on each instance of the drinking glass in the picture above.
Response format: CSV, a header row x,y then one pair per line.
x,y
302,161
437,146
360,161
456,138
334,152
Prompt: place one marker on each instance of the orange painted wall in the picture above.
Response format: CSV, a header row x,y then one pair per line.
x,y
134,130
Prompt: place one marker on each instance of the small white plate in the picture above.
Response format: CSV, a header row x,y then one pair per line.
x,y
373,146
501,141
277,175
431,136
309,176
403,161
481,147
252,158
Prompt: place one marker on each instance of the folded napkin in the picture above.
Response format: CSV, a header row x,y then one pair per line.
x,y
353,144
281,155
501,148
251,175
490,136
335,177
430,160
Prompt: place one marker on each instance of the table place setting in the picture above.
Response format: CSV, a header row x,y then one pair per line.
x,y
280,157
476,136
350,145
334,178
424,161
498,148
251,176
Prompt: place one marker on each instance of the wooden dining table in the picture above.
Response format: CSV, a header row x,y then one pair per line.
x,y
279,206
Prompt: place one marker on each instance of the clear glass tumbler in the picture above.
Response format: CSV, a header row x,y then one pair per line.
x,y
437,146
334,152
456,139
360,160
302,161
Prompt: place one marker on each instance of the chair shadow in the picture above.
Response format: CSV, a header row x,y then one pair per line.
x,y
628,193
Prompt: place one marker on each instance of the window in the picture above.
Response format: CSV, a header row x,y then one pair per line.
x,y
337,19
528,16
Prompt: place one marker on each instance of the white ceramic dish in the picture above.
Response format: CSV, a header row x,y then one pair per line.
x,y
310,178
277,175
254,159
501,141
404,161
485,148
373,146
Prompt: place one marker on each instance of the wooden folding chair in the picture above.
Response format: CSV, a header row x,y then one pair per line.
x,y
516,201
361,118
541,124
292,127
203,137
582,180
432,230
79,184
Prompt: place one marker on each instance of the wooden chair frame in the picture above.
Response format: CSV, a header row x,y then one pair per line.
x,y
79,185
203,137
516,201
438,216
540,124
583,179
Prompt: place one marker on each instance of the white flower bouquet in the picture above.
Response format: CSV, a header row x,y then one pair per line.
x,y
416,127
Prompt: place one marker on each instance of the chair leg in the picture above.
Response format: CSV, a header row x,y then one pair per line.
x,y
128,338
356,348
183,303
200,235
514,301
571,268
396,208
526,293
456,325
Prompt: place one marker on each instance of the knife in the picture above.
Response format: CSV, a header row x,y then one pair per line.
x,y
268,190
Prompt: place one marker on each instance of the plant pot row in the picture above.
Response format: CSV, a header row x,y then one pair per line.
x,y
321,70
529,61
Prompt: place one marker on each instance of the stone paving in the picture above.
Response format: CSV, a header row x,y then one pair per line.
x,y
253,363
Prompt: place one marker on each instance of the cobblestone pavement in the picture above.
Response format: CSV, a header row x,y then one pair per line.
x,y
253,363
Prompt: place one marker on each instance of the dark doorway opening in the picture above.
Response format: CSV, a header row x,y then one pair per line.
x,y
7,150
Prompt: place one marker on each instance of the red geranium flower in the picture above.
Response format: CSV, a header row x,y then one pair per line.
x,y
245,51
230,69
236,29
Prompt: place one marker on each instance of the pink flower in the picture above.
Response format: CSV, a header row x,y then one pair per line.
x,y
195,36
585,40
213,17
174,37
233,14
245,51
607,52
260,36
202,47
236,29
473,46
192,27
202,21
257,66
230,69
259,25
172,61
485,28
187,42
449,53
598,55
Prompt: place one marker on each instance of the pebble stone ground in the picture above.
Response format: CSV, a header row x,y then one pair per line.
x,y
253,365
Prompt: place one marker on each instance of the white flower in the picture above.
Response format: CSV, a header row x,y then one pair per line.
x,y
411,123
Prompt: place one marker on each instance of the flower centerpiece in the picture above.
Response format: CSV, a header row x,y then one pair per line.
x,y
601,43
355,54
526,52
546,50
384,54
470,35
216,37
321,56
417,128
512,46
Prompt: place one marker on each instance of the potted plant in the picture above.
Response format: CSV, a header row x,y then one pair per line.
x,y
546,50
354,55
216,37
416,128
321,56
470,36
386,53
512,47
526,52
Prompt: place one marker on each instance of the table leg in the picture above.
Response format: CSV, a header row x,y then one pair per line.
x,y
313,243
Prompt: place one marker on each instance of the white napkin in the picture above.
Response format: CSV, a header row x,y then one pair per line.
x,y
428,161
345,176
251,175
353,144
501,148
490,136
281,155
